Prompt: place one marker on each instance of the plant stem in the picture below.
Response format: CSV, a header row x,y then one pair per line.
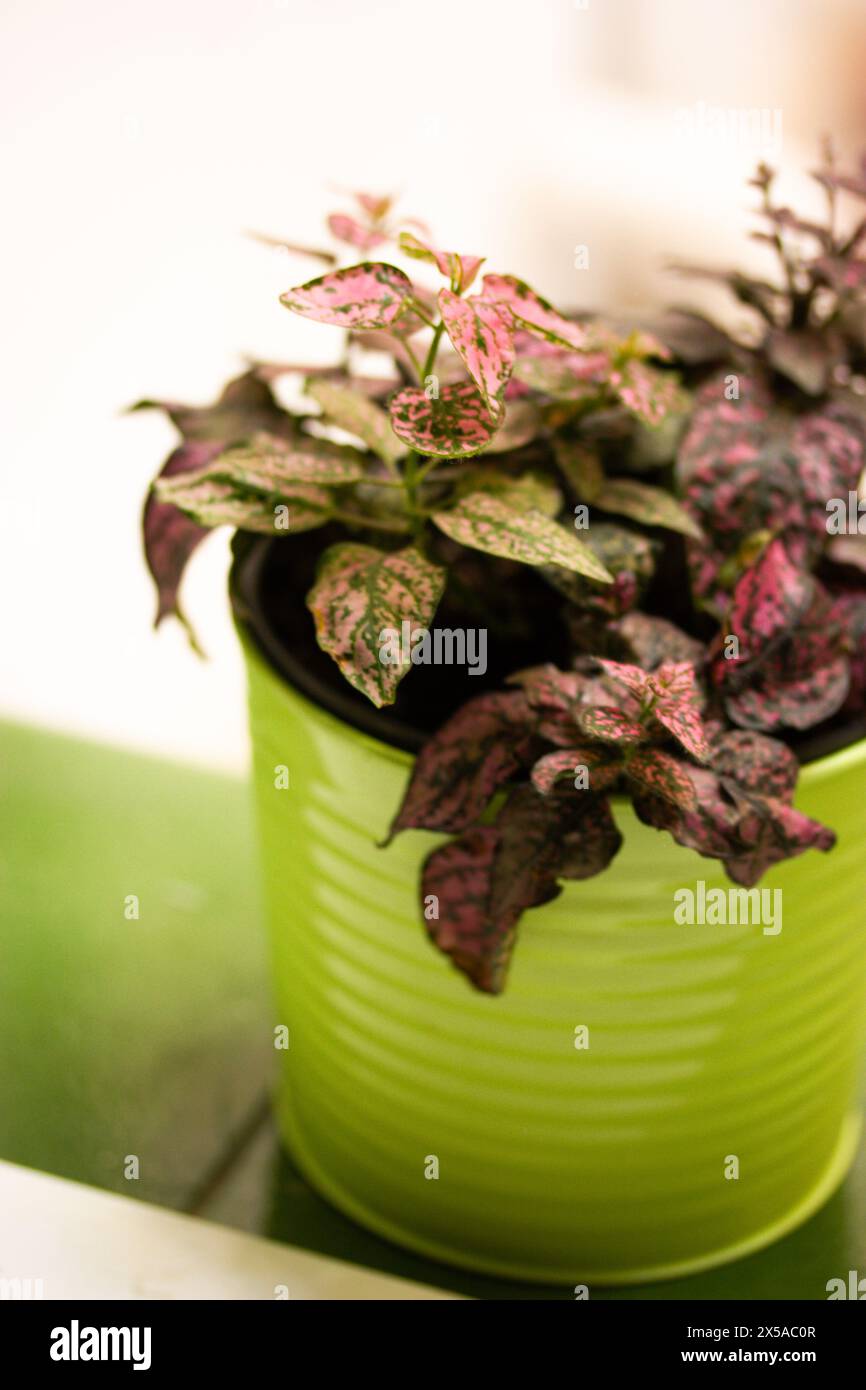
x,y
412,358
374,523
410,482
830,191
421,312
782,253
412,475
428,466
434,348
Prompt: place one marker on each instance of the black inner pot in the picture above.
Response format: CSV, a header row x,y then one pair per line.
x,y
270,579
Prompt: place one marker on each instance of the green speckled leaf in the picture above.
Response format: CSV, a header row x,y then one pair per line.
x,y
485,522
652,506
267,464
523,422
211,502
359,592
566,377
581,467
355,412
527,492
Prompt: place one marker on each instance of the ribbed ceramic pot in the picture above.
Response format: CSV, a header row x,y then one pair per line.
x,y
611,1163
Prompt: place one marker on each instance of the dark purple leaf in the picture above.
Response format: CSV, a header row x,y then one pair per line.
x,y
772,702
756,762
246,405
170,537
748,468
803,356
692,338
770,831
592,839
654,641
456,879
457,771
747,831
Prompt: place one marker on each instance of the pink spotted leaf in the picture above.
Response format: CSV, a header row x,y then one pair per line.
x,y
485,340
375,205
530,311
370,295
458,269
677,706
549,689
483,882
455,423
655,771
602,768
624,677
768,601
609,724
748,467
647,392
354,233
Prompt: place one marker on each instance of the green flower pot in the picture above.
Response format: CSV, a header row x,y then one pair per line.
x,y
605,1164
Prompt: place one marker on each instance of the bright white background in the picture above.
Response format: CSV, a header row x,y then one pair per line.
x,y
138,141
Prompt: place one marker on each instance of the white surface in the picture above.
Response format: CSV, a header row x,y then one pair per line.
x,y
86,1244
136,142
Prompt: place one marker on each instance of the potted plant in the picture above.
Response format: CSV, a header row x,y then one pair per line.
x,y
631,564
